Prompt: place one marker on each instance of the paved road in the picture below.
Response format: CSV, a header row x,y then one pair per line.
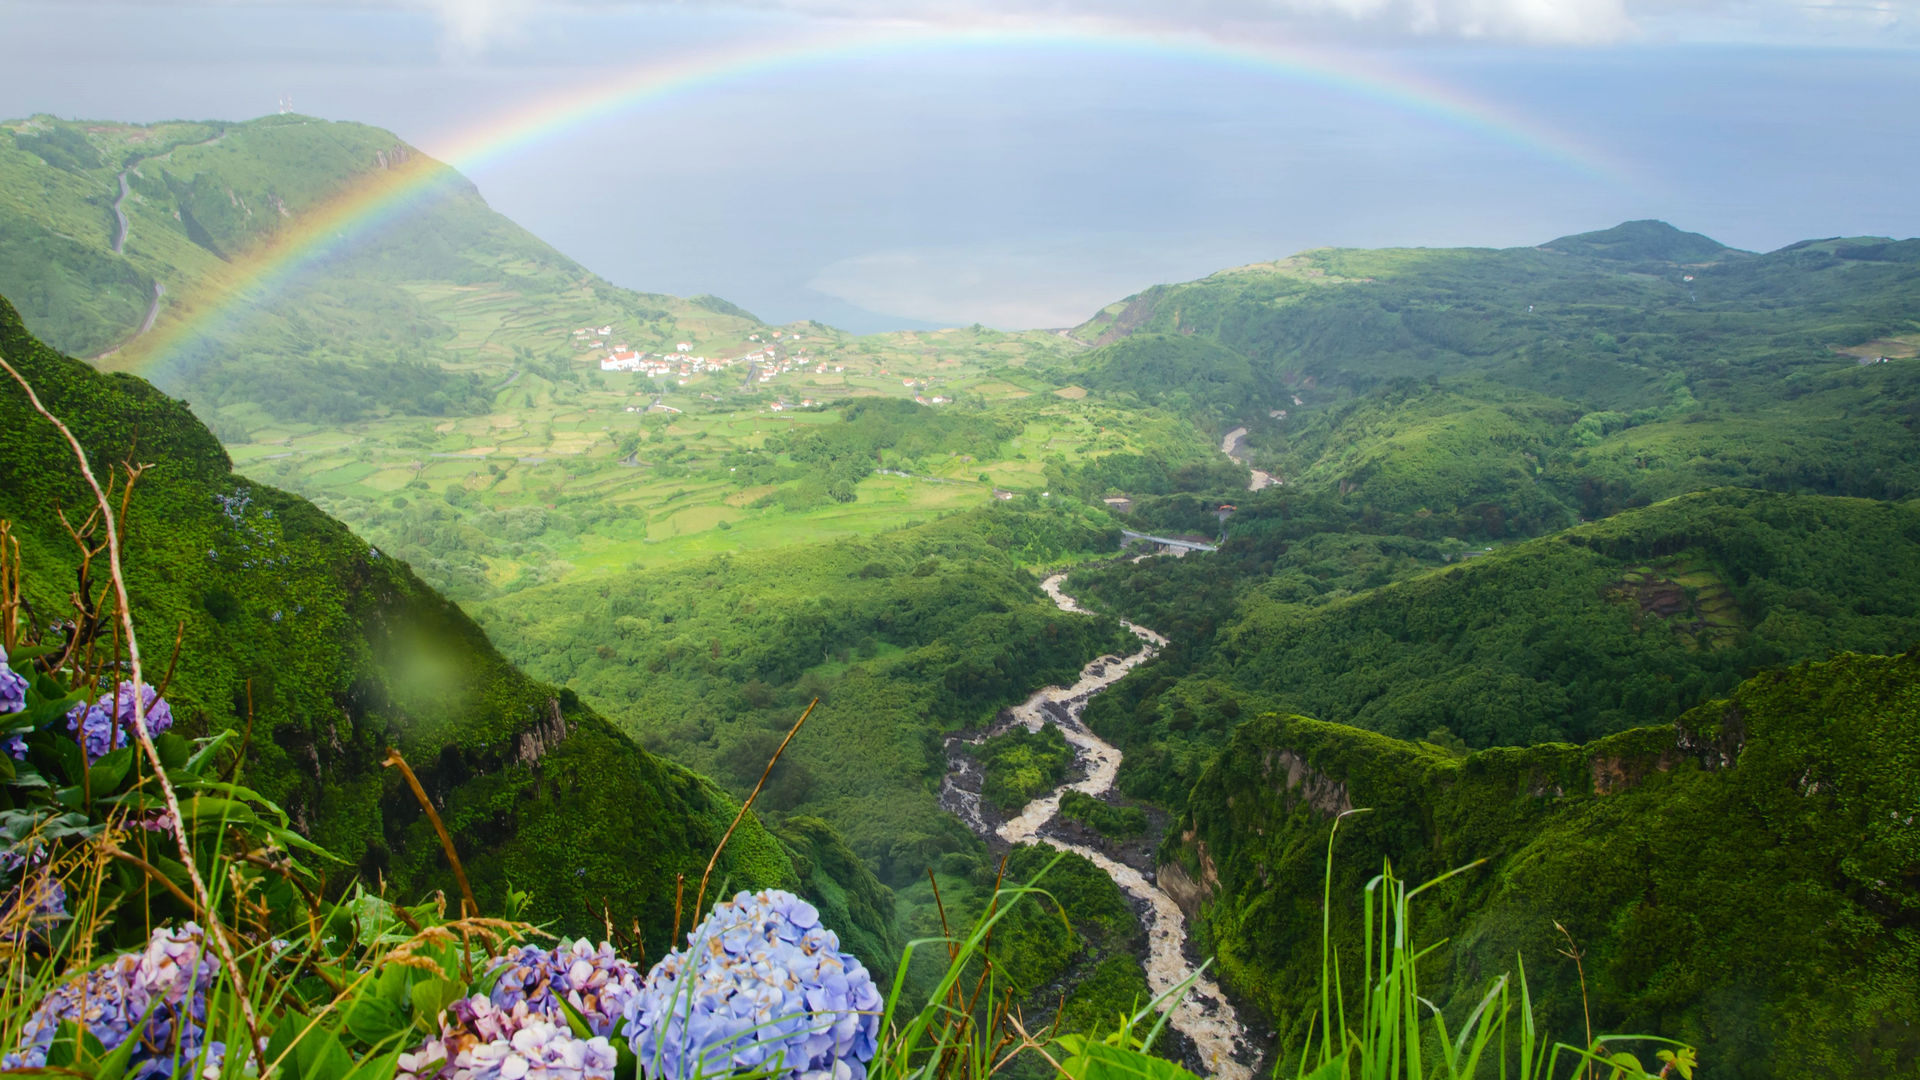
x,y
1190,545
120,215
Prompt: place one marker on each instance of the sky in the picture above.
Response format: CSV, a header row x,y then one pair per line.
x,y
1023,164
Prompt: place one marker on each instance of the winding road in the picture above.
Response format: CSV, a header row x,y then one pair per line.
x,y
120,216
1202,1013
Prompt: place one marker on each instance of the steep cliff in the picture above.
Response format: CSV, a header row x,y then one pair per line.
x,y
1746,879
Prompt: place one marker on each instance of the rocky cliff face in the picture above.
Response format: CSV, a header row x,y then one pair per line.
x,y
1721,874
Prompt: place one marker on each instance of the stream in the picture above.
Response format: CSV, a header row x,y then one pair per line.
x,y
1230,446
1203,1013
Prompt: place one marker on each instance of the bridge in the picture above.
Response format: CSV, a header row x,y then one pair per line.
x,y
1164,541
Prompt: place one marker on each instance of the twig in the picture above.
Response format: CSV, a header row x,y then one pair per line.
x,y
1573,953
246,737
179,635
227,957
700,900
153,872
394,760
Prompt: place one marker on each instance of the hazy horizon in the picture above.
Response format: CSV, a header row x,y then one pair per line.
x,y
1028,184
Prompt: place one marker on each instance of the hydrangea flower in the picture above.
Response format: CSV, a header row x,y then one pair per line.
x,y
44,897
106,723
13,688
481,1041
761,985
596,982
170,977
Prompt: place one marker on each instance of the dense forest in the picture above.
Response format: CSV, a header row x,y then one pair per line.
x,y
1740,879
1561,639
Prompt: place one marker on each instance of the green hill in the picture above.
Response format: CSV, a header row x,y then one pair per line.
x,y
446,288
1569,637
1645,241
1527,387
342,652
1743,879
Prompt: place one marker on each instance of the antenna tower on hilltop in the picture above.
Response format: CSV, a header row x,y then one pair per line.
x,y
286,104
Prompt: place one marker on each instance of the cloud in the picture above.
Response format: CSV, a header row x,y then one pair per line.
x,y
472,25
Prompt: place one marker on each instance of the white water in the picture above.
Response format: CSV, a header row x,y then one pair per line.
x,y
1202,1014
1230,446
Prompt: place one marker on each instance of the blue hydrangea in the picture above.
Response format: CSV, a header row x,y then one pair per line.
x,y
13,688
107,724
170,977
597,983
761,986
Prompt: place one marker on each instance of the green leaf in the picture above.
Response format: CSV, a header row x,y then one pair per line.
x,y
173,751
1099,1061
575,1021
376,1067
373,1019
320,1056
280,1042
432,995
74,1047
25,775
203,808
1333,1069
17,659
1626,1066
208,747
107,773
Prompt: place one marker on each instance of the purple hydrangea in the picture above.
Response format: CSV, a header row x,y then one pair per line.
x,y
597,983
481,1041
106,725
170,977
13,688
44,897
761,986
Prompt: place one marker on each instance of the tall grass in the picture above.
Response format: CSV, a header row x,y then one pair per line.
x,y
1374,1024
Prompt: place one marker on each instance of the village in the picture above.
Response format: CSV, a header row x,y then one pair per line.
x,y
777,356
770,356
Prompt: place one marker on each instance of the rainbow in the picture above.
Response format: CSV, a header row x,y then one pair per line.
x,y
381,195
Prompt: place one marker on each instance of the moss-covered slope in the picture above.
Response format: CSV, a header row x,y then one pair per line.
x,y
1747,879
1566,638
343,653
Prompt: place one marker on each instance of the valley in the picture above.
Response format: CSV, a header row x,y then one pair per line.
x,y
1201,1012
1544,555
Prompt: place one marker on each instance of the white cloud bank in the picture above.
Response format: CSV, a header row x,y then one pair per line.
x,y
471,24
